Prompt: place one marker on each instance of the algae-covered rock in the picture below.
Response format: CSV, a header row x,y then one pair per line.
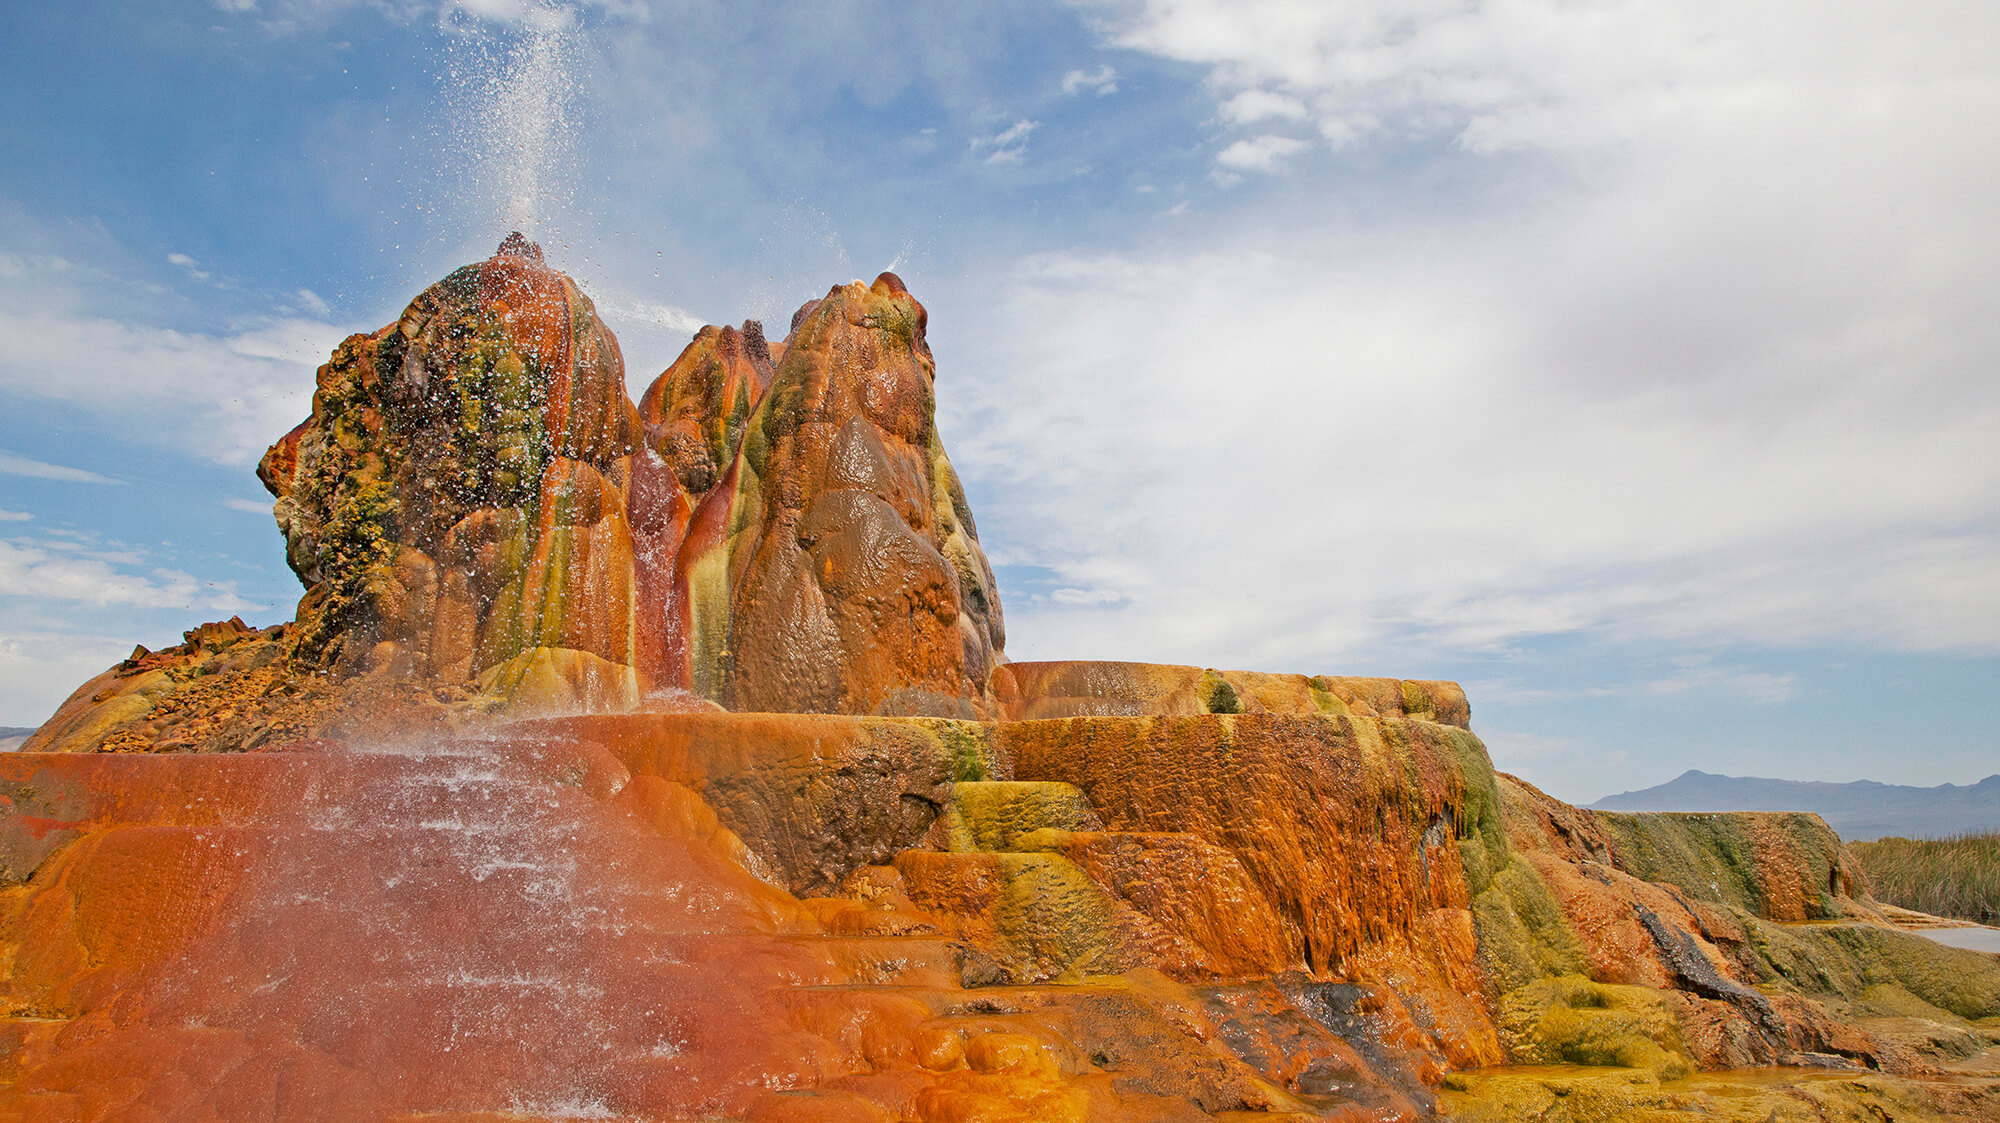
x,y
1785,866
993,814
1571,1020
696,412
458,496
1036,690
1352,830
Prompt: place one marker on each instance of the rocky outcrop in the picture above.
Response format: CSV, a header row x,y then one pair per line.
x,y
1030,691
478,512
457,504
854,581
229,687
694,415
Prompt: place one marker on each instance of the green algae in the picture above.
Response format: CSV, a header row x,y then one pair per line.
x,y
1324,697
968,747
1570,1019
1713,857
1568,1094
1852,960
357,548
1523,936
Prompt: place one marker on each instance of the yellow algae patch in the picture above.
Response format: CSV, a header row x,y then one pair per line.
x,y
563,680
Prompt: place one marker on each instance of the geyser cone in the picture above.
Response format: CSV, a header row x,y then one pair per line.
x,y
457,502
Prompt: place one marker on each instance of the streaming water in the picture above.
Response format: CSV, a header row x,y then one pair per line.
x,y
477,926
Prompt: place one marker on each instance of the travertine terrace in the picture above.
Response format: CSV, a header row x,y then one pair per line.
x,y
663,761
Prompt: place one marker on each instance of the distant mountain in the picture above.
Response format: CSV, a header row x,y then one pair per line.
x,y
1859,811
11,737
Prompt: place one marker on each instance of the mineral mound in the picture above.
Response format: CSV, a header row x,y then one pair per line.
x,y
663,761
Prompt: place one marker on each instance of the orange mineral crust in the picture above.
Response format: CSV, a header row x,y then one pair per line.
x,y
520,926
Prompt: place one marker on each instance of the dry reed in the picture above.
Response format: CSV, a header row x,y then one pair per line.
x,y
1956,876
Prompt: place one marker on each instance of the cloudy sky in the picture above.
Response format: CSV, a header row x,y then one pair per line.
x,y
1632,362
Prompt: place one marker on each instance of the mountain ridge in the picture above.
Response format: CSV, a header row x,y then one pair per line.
x,y
1857,810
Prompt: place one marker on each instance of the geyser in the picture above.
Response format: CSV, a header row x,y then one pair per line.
x,y
663,761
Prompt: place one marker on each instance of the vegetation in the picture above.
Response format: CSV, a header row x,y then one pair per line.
x,y
1221,695
1955,876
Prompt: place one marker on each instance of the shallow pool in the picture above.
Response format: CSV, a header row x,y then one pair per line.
x,y
1978,939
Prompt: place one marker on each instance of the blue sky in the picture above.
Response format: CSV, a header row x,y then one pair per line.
x,y
1632,363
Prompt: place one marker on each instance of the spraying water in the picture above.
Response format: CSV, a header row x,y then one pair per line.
x,y
513,87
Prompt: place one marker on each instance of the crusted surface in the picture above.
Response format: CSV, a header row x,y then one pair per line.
x,y
854,582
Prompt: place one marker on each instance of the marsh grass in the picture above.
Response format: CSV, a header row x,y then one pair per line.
x,y
1955,876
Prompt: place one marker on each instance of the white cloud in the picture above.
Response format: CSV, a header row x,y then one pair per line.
x,y
1260,154
7,516
620,309
1286,457
1545,74
187,264
1102,81
222,398
1760,687
650,334
47,570
38,669
12,465
1086,596
1724,375
249,506
1251,106
1006,146
1686,674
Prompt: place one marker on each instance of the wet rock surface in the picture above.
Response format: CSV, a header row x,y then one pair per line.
x,y
857,584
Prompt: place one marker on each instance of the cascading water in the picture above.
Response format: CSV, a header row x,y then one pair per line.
x,y
494,926
477,926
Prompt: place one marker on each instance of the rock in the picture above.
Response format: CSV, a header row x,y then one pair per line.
x,y
696,412
855,583
817,798
1351,829
1029,691
476,507
460,488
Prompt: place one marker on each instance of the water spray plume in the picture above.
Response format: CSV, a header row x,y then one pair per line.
x,y
513,83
